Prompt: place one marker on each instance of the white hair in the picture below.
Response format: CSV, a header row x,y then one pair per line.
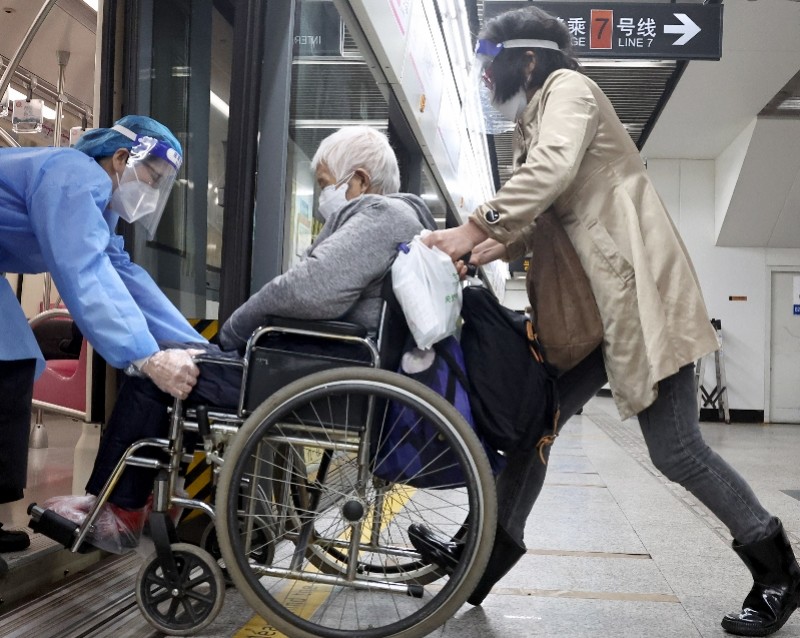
x,y
354,147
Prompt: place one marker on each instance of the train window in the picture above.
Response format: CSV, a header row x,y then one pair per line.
x,y
433,197
332,87
184,57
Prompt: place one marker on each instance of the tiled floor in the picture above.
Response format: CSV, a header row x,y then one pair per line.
x,y
614,549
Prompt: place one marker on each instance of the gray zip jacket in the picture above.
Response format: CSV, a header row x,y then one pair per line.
x,y
341,274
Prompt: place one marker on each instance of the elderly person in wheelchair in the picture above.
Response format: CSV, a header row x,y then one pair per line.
x,y
340,277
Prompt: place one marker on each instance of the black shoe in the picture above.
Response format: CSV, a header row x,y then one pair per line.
x,y
776,586
13,541
445,554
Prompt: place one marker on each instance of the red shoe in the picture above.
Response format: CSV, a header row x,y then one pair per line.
x,y
129,521
117,529
173,512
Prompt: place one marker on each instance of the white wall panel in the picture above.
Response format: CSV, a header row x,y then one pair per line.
x,y
409,44
728,167
723,272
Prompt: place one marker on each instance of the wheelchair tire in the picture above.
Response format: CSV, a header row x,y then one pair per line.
x,y
201,591
307,450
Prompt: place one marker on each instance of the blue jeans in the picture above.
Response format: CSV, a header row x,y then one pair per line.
x,y
672,433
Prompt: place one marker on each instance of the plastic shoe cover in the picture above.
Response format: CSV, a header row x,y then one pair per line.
x,y
73,508
115,529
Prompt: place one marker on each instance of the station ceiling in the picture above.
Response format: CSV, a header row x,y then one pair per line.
x,y
672,109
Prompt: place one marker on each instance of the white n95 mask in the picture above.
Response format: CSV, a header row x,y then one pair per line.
x,y
513,107
134,200
333,197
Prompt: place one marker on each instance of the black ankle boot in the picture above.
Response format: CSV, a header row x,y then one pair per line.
x,y
776,586
433,549
13,541
505,554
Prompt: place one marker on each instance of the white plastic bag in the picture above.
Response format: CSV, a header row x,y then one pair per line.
x,y
428,288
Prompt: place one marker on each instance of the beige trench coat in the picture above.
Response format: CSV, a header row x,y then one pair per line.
x,y
572,153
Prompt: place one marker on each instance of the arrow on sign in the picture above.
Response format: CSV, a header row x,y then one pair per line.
x,y
688,29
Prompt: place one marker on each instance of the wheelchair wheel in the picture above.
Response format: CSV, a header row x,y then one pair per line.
x,y
262,543
341,559
332,560
184,606
340,481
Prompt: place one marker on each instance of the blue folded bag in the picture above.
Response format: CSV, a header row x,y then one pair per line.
x,y
410,450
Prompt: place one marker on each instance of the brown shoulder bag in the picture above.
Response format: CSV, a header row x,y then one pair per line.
x,y
563,306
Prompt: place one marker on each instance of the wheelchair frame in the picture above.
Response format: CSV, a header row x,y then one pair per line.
x,y
221,430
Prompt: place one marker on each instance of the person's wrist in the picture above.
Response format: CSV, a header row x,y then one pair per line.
x,y
475,233
140,365
136,367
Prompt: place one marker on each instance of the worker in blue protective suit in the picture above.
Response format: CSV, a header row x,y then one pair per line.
x,y
58,213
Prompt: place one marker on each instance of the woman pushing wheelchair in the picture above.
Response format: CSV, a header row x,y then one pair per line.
x,y
573,155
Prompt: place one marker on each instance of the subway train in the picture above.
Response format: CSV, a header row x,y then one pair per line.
x,y
269,521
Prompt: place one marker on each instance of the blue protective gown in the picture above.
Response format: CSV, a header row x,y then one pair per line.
x,y
53,218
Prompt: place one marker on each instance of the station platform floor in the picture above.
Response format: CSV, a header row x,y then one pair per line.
x,y
614,549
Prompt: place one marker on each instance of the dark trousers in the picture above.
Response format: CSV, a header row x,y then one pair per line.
x,y
520,482
671,431
141,412
16,392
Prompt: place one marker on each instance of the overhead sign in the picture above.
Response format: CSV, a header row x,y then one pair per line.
x,y
634,30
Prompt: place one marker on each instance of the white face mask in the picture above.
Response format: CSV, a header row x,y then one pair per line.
x,y
134,200
332,198
513,107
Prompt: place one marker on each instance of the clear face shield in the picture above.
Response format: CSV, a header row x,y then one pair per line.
x,y
500,117
146,182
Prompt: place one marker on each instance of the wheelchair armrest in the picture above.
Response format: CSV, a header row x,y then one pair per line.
x,y
200,359
338,328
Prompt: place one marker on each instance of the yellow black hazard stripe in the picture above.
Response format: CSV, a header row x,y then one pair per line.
x,y
198,484
197,481
206,327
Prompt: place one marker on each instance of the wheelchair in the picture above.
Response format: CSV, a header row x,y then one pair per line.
x,y
308,528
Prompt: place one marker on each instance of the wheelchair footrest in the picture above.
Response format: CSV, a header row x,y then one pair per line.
x,y
52,525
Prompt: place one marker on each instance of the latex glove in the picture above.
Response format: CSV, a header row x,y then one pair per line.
x,y
173,371
487,251
455,241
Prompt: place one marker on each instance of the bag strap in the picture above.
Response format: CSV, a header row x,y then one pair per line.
x,y
550,438
455,369
533,341
536,350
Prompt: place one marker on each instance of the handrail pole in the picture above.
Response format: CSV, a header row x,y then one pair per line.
x,y
8,139
5,80
63,59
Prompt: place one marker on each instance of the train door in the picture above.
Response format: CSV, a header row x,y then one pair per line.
x,y
180,63
784,347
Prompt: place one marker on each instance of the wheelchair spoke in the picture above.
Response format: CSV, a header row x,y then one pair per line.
x,y
341,556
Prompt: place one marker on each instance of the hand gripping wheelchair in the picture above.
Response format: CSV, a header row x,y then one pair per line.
x,y
309,529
